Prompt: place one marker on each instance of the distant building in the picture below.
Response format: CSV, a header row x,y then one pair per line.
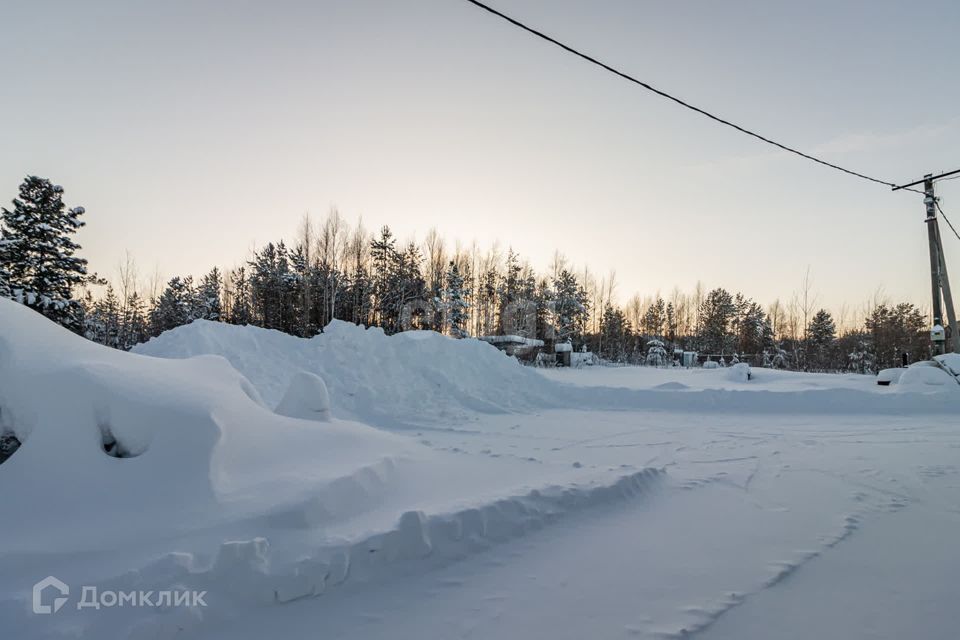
x,y
523,348
564,352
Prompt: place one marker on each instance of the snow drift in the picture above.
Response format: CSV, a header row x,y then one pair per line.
x,y
105,434
413,377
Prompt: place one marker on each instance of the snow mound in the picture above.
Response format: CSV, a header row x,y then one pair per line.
x,y
925,375
951,361
671,386
413,377
886,377
306,398
125,441
739,372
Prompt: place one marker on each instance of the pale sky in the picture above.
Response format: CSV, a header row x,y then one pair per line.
x,y
192,131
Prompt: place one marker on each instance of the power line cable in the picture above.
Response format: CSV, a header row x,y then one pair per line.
x,y
672,98
944,216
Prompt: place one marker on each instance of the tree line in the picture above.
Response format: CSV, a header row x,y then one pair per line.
x,y
334,270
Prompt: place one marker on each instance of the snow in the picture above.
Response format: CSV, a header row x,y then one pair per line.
x,y
356,485
951,361
306,398
889,376
919,377
408,379
739,372
512,340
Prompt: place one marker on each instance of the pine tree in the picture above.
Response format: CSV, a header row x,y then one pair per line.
x,y
752,328
716,314
37,261
654,319
509,317
383,253
240,312
275,289
135,325
412,290
671,315
4,278
208,297
175,307
455,303
656,353
569,308
613,334
895,331
821,334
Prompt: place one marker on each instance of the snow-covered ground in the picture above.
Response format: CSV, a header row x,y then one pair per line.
x,y
453,493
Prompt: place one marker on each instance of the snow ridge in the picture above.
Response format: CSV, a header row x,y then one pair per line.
x,y
244,573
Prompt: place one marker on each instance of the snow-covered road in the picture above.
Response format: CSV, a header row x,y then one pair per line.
x,y
828,527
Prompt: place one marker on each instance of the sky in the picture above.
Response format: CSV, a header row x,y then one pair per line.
x,y
194,131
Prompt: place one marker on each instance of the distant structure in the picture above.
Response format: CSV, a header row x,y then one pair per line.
x,y
523,348
564,354
539,353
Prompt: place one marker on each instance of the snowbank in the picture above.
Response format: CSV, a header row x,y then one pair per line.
x,y
117,442
410,378
423,378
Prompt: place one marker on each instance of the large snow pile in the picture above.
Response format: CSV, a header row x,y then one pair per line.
x,y
115,442
409,378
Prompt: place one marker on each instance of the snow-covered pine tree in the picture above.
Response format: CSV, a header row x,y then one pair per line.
x,y
208,296
779,358
4,279
37,258
455,304
175,307
656,353
570,310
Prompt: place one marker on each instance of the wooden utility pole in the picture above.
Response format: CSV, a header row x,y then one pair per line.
x,y
943,339
931,221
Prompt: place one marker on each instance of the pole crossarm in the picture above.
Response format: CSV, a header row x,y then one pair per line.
x,y
920,181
